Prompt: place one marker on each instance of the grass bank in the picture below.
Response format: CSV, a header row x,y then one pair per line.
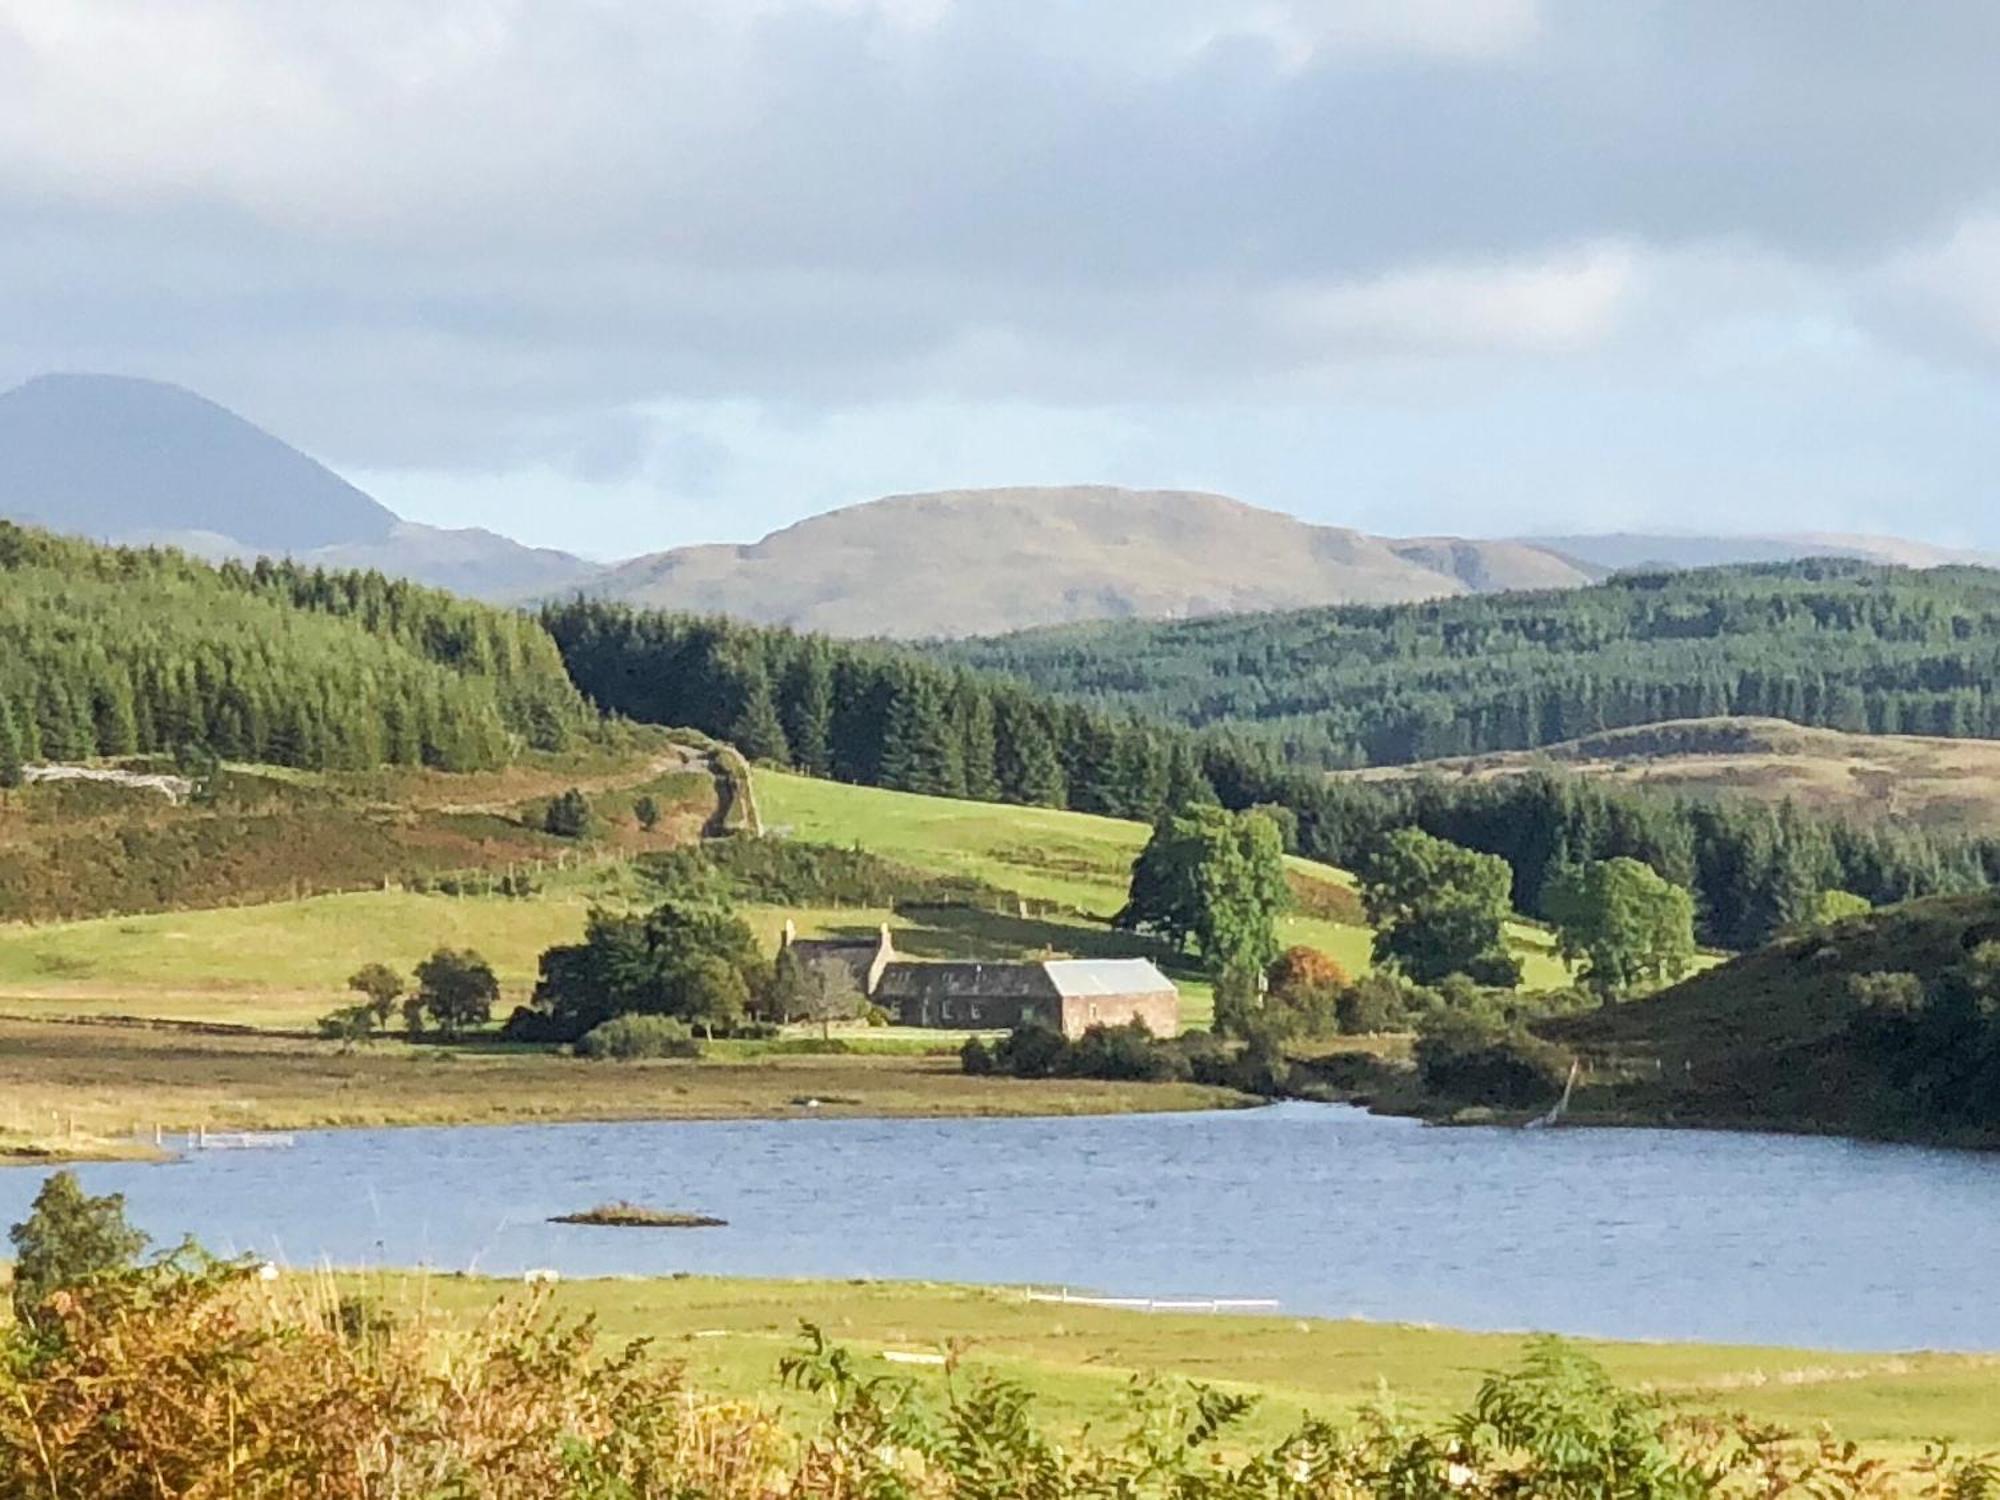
x,y
97,1083
1081,1360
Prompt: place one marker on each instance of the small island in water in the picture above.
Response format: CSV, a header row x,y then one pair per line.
x,y
622,1215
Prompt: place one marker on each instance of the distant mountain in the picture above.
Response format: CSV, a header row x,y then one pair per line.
x,y
119,459
980,562
1624,550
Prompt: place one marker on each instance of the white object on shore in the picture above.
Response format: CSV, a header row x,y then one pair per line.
x,y
541,1276
1161,1304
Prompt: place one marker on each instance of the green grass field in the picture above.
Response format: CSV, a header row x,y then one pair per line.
x,y
1080,1360
283,964
1078,859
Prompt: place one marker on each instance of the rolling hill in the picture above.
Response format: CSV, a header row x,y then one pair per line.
x,y
117,459
1770,1039
970,562
1911,779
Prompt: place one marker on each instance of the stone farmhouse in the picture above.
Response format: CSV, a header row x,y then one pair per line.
x,y
1069,995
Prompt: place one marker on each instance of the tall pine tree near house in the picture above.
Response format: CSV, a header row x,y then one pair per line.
x,y
1024,753
808,710
921,749
757,731
972,715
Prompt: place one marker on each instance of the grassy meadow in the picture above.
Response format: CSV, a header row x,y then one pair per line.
x,y
1081,1360
81,1088
282,964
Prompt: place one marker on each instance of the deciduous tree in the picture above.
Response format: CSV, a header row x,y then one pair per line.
x,y
1622,922
1215,881
1439,909
458,990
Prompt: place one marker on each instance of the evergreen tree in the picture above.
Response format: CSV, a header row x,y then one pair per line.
x,y
808,715
921,750
757,732
972,713
12,772
1025,760
68,1237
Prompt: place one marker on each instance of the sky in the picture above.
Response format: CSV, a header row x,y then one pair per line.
x,y
613,275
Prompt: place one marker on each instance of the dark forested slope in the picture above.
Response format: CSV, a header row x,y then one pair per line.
x,y
883,717
109,651
1833,644
1885,1023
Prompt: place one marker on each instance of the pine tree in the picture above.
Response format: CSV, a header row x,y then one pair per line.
x,y
921,752
972,712
757,732
11,771
809,710
1025,754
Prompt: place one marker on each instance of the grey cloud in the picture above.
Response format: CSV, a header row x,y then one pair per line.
x,y
479,243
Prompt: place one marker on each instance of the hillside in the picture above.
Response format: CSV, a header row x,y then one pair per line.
x,y
283,963
1907,779
1616,552
1846,645
118,459
1776,1038
107,652
967,562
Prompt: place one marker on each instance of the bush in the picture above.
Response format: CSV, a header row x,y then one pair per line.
x,y
1031,1052
1119,1054
1477,1062
568,815
1374,1003
68,1238
349,1024
1123,1054
630,1038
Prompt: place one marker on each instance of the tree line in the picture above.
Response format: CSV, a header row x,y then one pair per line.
x,y
1824,642
877,716
116,651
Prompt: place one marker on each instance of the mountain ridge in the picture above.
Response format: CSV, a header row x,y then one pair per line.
x,y
118,458
123,459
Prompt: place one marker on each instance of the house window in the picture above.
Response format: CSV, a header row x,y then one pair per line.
x,y
944,1010
975,1010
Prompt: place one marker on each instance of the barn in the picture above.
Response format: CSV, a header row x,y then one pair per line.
x,y
1069,995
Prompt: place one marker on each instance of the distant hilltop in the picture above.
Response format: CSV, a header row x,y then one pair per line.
x,y
115,458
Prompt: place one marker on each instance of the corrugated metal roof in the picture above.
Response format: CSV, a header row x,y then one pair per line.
x,y
1107,976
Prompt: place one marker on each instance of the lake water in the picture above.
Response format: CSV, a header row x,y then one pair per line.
x,y
1626,1233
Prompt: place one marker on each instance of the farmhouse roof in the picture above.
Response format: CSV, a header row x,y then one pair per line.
x,y
907,980
1051,978
1107,976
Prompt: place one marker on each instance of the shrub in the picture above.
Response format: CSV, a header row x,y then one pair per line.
x,y
1477,1062
1031,1052
1373,1003
349,1024
568,815
68,1238
1123,1054
629,1038
976,1058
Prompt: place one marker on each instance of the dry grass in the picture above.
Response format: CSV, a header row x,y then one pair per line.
x,y
109,1082
1940,783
